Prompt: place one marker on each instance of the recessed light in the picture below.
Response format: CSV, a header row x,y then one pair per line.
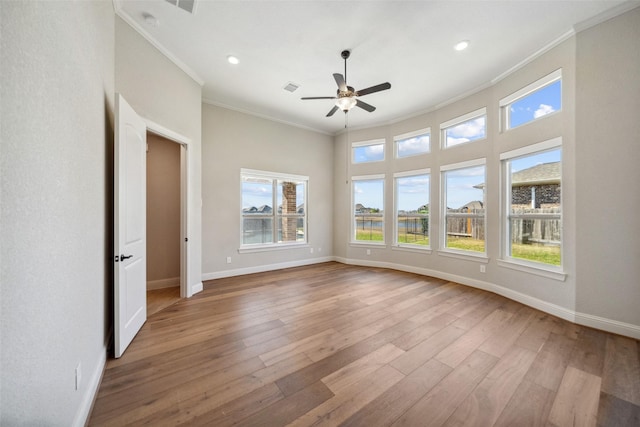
x,y
461,45
233,60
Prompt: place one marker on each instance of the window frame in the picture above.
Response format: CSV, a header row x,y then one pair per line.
x,y
352,216
505,103
453,252
275,178
411,246
506,260
480,112
368,143
399,138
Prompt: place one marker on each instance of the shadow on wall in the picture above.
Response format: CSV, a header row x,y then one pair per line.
x,y
109,144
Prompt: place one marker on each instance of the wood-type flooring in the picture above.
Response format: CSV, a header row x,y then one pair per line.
x,y
332,344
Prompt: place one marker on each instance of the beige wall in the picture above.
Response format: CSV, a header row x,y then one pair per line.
x,y
607,169
233,140
159,91
163,212
56,142
599,126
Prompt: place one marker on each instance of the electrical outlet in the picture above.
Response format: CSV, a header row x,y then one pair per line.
x,y
483,268
319,250
228,260
78,376
368,251
311,250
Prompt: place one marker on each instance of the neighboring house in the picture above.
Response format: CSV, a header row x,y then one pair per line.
x,y
536,187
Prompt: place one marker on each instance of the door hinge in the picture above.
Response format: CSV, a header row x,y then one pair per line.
x,y
117,258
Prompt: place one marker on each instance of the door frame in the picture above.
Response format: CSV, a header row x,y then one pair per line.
x,y
185,187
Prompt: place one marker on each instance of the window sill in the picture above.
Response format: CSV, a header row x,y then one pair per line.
x,y
468,256
368,244
273,247
410,248
534,269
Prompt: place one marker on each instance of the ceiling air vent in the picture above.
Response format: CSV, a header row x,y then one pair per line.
x,y
187,5
291,87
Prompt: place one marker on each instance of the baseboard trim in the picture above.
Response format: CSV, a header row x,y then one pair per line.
x,y
263,268
196,287
86,406
163,283
604,324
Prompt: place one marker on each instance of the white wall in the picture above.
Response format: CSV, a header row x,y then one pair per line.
x,y
599,128
233,140
57,80
608,169
161,92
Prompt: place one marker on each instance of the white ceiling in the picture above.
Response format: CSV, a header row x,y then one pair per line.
x,y
406,43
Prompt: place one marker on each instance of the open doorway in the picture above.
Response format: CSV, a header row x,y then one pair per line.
x,y
163,222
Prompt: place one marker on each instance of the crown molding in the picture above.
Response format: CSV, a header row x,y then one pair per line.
x,y
117,4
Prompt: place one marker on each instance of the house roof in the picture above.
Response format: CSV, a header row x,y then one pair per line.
x,y
544,173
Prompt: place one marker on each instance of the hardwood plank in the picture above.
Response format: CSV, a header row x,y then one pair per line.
x,y
529,407
350,399
621,376
576,402
552,360
389,406
424,351
614,412
488,400
381,340
244,406
588,354
159,299
361,368
288,409
455,353
439,403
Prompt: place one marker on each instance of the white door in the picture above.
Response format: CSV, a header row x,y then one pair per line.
x,y
130,193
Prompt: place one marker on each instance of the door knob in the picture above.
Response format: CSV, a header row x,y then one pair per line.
x,y
123,257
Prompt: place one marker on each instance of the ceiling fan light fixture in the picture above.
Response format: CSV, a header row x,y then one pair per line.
x,y
346,103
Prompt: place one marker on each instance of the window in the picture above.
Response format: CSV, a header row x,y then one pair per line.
x,y
532,102
463,129
368,208
532,182
463,205
274,210
412,208
413,144
368,151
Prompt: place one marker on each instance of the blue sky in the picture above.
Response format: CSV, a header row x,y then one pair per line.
x,y
413,192
540,103
259,193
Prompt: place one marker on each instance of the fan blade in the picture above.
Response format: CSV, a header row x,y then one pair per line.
x,y
342,85
319,97
373,89
333,110
370,108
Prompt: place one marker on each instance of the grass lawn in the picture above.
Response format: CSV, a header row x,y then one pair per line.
x,y
537,253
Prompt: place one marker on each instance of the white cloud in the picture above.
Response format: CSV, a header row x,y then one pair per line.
x,y
543,110
470,129
451,141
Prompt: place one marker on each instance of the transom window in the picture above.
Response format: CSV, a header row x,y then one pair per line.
x,y
368,151
412,208
464,129
532,182
463,205
274,211
537,100
413,143
368,208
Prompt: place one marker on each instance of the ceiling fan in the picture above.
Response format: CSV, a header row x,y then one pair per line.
x,y
347,97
